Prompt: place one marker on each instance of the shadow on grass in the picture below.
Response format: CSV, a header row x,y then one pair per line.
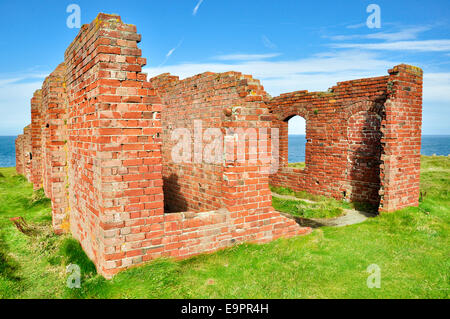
x,y
8,266
73,254
155,279
365,207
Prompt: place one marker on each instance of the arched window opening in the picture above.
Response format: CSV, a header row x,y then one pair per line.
x,y
297,142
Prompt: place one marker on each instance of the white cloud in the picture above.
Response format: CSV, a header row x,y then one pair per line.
x,y
15,96
356,26
170,52
316,73
436,88
321,72
267,43
4,82
194,12
418,46
297,125
245,57
405,34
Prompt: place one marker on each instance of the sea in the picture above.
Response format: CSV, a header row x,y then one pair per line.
x,y
431,145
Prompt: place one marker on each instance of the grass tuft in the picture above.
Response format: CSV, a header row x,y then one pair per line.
x,y
300,165
325,207
308,210
38,198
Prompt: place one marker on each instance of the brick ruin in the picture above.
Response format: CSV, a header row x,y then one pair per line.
x,y
100,144
363,139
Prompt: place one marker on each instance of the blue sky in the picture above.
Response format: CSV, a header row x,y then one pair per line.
x,y
288,45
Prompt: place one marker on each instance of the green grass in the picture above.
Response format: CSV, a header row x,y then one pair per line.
x,y
410,246
299,195
324,207
300,165
308,210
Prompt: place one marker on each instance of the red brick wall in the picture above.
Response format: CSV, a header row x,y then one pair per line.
x,y
115,158
55,148
244,199
343,139
401,128
363,139
196,185
27,152
363,157
45,152
36,125
115,173
19,155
